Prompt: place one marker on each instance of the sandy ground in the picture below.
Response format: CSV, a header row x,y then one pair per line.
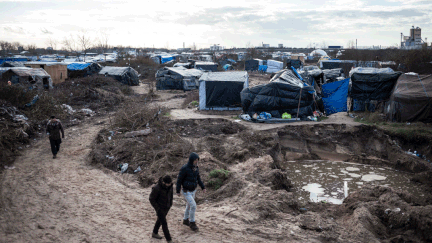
x,y
68,200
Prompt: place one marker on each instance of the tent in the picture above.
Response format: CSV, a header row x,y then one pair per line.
x,y
335,96
177,78
206,66
253,64
297,64
221,90
31,78
82,69
274,66
411,99
125,75
286,92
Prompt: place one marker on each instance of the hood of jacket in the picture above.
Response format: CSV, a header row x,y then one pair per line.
x,y
192,157
162,185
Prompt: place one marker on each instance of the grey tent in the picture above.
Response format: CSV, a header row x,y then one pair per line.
x,y
31,78
177,78
411,99
125,75
221,90
206,66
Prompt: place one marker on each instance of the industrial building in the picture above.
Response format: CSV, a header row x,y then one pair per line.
x,y
414,40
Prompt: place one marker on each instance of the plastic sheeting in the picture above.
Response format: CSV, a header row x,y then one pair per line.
x,y
274,66
331,75
178,78
253,65
206,66
335,96
77,66
283,94
125,75
372,84
411,99
221,90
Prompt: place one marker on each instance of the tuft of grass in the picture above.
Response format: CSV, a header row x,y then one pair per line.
x,y
194,103
218,177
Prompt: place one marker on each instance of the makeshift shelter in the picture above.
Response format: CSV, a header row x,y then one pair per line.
x,y
31,78
331,75
253,64
297,64
228,67
57,70
206,66
286,92
411,99
221,90
76,70
177,78
334,96
125,75
371,86
274,66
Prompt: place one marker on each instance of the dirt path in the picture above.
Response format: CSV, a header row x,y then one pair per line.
x,y
68,200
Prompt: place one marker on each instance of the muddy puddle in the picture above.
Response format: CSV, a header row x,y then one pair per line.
x,y
332,181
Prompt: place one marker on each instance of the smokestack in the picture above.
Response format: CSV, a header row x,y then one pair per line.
x,y
356,43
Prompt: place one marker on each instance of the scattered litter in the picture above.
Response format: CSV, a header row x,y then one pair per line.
x,y
68,109
9,167
110,157
35,98
144,132
109,138
87,111
245,117
138,169
124,167
237,120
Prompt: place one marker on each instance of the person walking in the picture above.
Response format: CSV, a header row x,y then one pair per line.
x,y
54,127
189,178
161,198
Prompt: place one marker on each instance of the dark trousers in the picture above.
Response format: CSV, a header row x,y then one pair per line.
x,y
55,145
161,220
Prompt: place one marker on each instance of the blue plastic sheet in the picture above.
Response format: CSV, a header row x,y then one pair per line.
x,y
335,96
77,66
262,68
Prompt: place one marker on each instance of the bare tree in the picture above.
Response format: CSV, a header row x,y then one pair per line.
x,y
32,49
251,52
6,47
103,41
85,42
70,44
351,44
51,42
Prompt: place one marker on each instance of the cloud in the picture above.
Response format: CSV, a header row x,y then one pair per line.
x,y
16,30
46,32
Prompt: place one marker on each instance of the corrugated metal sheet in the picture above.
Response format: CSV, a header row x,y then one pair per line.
x,y
235,76
30,72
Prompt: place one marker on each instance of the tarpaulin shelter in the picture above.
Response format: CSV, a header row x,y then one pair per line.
x,y
179,78
331,75
274,66
221,90
31,78
372,83
285,92
334,96
253,64
411,99
228,67
125,75
206,66
82,69
297,64
12,64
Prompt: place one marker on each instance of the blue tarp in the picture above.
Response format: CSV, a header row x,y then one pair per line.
x,y
335,96
227,67
77,66
165,59
262,68
13,59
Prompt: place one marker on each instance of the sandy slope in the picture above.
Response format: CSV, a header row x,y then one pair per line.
x,y
67,200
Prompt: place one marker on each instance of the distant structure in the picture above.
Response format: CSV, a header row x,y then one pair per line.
x,y
413,41
266,45
216,48
280,45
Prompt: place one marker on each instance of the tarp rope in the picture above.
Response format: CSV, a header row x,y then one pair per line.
x,y
422,85
298,109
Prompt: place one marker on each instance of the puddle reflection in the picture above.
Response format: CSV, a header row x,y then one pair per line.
x,y
333,181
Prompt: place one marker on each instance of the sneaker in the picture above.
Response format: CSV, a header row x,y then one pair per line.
x,y
157,236
54,156
193,226
186,222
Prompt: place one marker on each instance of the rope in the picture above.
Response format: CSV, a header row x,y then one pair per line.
x,y
298,109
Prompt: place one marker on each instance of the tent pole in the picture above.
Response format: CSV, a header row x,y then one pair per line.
x,y
298,109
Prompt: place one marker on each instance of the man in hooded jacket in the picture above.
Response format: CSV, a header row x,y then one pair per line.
x,y
161,198
189,178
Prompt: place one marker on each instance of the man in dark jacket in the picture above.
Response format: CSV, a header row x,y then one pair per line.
x,y
54,127
189,178
161,198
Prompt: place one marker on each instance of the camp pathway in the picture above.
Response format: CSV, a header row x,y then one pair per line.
x,y
67,200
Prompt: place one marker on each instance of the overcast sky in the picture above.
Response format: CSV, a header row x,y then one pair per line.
x,y
231,23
